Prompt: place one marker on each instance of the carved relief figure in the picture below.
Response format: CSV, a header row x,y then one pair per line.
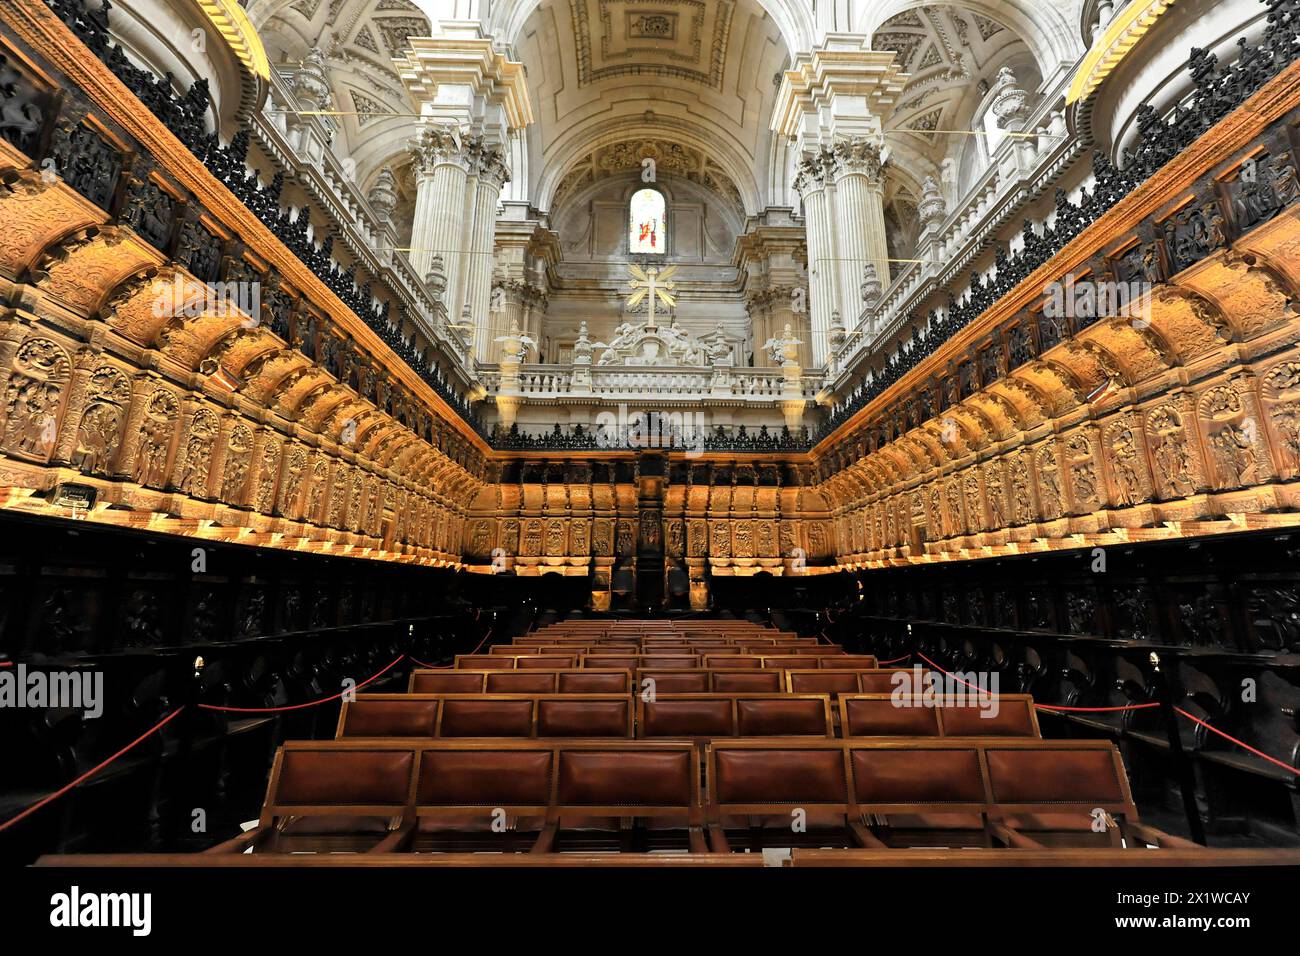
x,y
1049,483
974,510
267,476
954,524
235,471
721,534
1234,456
34,397
579,537
480,539
320,476
817,538
99,434
198,454
786,534
996,495
1022,500
1124,460
697,539
764,543
624,538
155,439
676,538
1173,462
555,538
293,482
743,543
1286,420
602,539
532,544
649,530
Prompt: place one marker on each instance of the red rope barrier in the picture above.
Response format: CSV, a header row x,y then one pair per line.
x,y
6,663
1096,710
1239,743
89,773
894,661
310,703
432,667
482,642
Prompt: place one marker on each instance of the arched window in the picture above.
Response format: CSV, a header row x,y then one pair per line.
x,y
647,223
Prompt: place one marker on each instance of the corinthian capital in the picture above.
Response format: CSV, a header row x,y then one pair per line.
x,y
490,164
438,144
860,156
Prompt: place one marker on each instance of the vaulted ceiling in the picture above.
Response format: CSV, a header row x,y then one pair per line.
x,y
606,75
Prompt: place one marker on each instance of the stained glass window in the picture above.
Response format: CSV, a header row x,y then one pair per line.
x,y
647,230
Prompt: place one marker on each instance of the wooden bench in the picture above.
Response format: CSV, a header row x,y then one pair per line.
x,y
706,716
883,715
1022,793
488,715
561,681
870,680
386,796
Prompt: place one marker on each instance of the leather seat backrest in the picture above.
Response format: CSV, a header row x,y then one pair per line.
x,y
328,776
1013,717
670,662
584,718
487,778
734,661
486,717
521,682
610,661
674,682
546,662
881,681
793,716
484,662
746,682
822,682
787,661
639,778
594,682
687,717
1061,775
405,716
446,682
773,774
884,776
848,662
881,716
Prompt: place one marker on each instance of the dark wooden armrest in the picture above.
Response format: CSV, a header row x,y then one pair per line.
x,y
1161,838
718,839
865,838
546,839
695,837
240,843
396,841
1012,837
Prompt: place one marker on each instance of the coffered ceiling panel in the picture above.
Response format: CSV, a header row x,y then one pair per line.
x,y
681,38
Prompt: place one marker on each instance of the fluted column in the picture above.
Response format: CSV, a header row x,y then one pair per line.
x,y
442,171
823,282
859,221
492,175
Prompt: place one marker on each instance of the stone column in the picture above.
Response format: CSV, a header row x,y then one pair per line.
x,y
823,281
492,175
859,221
442,171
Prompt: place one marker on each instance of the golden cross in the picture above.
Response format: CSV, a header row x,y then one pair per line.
x,y
653,283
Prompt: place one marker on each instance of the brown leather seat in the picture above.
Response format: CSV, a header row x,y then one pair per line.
x,y
1014,717
674,682
880,716
735,661
687,716
821,682
746,682
843,661
546,662
584,718
484,662
522,682
594,682
783,717
389,716
486,717
445,682
787,661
